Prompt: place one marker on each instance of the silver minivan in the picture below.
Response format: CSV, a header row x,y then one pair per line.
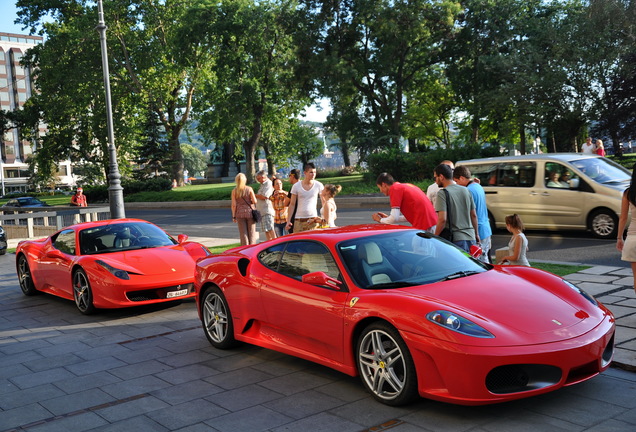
x,y
553,191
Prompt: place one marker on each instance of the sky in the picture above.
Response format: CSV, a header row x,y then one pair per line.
x,y
8,14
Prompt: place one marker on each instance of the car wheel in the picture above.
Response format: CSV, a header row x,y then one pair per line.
x,y
603,224
385,365
82,293
217,319
25,278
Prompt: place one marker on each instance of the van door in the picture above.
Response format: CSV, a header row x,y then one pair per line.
x,y
562,203
509,189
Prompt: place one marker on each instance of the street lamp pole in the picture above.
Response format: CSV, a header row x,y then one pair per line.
x,y
115,191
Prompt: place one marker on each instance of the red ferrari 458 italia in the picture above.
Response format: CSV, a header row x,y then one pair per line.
x,y
110,264
407,311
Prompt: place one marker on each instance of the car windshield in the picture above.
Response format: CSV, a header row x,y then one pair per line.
x,y
117,237
405,258
602,170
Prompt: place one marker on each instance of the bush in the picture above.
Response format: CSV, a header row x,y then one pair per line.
x,y
96,194
414,167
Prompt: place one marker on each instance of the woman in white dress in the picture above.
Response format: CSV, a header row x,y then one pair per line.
x,y
628,245
328,214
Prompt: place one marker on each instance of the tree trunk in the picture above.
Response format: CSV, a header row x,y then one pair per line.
x,y
250,147
177,157
344,148
522,140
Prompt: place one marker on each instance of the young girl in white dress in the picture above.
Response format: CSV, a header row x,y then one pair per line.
x,y
518,245
328,214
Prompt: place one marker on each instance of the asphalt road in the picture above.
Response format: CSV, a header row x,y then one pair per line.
x,y
569,246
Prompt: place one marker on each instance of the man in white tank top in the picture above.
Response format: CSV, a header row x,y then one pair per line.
x,y
304,196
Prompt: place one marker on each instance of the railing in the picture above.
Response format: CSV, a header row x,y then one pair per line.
x,y
22,223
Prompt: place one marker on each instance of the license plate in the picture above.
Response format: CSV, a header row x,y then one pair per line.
x,y
179,293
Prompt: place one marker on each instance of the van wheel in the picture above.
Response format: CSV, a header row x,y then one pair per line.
x,y
603,224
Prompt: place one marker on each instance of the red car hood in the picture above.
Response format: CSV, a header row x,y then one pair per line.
x,y
512,307
169,260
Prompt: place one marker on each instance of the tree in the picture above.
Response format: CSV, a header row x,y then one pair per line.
x,y
254,79
193,160
380,48
152,65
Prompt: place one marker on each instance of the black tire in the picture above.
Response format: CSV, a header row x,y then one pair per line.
x,y
385,365
82,292
217,319
491,221
603,224
25,278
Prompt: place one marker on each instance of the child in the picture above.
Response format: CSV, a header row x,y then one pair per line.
x,y
518,245
328,215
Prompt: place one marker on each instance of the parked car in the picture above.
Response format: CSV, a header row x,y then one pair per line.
x,y
109,264
3,241
409,312
25,202
553,191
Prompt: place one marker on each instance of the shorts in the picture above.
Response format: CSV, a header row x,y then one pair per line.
x,y
267,223
629,249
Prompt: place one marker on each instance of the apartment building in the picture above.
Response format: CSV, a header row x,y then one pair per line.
x,y
16,87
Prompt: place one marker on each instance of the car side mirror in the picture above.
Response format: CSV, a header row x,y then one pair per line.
x,y
182,238
321,279
574,183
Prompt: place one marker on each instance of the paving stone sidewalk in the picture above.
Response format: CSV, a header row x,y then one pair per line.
x,y
151,369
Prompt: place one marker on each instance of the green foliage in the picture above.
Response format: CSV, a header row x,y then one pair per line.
x,y
99,193
419,166
193,160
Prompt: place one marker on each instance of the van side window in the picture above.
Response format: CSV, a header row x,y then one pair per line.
x,y
559,176
521,174
486,173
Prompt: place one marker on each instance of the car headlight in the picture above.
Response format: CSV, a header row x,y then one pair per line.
x,y
580,291
458,323
121,274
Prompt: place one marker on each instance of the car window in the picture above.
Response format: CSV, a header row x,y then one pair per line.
x,y
486,173
602,170
559,176
122,236
270,257
517,174
404,259
302,257
65,242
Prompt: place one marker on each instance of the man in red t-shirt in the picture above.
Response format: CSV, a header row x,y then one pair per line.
x,y
408,203
79,199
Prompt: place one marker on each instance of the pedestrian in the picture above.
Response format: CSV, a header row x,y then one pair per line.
x,y
408,203
518,245
243,202
463,177
264,204
328,214
457,202
79,199
304,197
628,206
279,199
600,150
588,147
433,188
294,177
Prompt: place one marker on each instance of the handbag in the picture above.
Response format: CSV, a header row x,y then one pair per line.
x,y
256,215
446,232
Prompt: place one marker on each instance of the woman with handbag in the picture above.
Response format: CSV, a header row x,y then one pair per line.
x,y
243,202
